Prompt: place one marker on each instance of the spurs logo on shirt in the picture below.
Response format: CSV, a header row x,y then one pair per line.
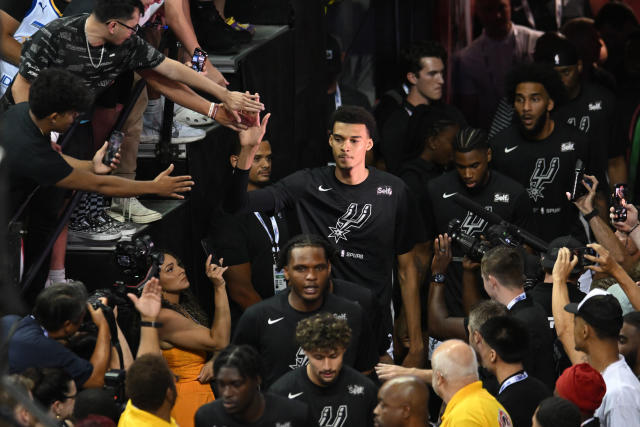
x,y
541,176
585,123
327,419
352,218
301,359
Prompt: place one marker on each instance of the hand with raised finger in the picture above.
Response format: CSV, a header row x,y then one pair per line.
x,y
215,272
150,301
441,254
604,260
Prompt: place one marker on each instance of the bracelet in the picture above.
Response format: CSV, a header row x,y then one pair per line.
x,y
591,214
633,228
211,108
151,324
215,111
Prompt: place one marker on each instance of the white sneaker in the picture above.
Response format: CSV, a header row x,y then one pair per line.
x,y
190,117
152,123
130,208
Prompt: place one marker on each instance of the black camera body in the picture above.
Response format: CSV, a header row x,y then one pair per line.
x,y
138,259
114,383
582,261
475,248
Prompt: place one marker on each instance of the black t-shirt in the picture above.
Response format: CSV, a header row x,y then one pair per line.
x,y
278,411
270,326
18,9
539,361
417,173
592,111
242,238
369,223
372,310
393,145
545,168
30,159
348,401
500,195
62,43
521,398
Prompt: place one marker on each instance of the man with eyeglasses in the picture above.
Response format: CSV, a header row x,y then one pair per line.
x,y
101,46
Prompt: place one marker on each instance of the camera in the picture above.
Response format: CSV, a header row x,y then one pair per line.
x,y
580,253
139,260
475,248
617,198
114,384
577,188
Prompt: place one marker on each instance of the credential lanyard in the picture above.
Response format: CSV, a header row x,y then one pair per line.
x,y
275,239
516,299
512,380
338,97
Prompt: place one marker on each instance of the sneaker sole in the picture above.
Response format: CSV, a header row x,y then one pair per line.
x,y
95,237
174,140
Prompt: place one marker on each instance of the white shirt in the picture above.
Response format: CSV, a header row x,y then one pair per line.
x,y
621,404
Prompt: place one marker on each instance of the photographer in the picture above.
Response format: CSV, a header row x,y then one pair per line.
x,y
38,339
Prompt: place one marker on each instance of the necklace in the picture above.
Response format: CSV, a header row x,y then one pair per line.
x,y
89,50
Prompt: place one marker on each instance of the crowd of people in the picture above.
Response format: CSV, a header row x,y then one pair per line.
x,y
467,263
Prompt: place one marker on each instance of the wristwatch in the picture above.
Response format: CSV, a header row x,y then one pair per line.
x,y
438,278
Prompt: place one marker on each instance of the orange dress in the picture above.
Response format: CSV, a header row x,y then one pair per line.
x,y
191,393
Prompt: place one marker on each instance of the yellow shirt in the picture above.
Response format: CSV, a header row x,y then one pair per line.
x,y
473,406
134,417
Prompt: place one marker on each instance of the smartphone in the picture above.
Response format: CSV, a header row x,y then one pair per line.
x,y
207,251
115,141
617,198
198,58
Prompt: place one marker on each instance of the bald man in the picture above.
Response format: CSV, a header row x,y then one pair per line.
x,y
455,380
402,402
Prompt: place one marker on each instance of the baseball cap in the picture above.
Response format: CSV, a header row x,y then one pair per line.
x,y
582,385
555,49
599,309
549,258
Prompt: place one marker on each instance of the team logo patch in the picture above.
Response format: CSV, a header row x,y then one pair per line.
x,y
355,389
384,191
473,224
542,176
595,106
301,359
342,316
353,218
501,198
327,420
503,419
567,146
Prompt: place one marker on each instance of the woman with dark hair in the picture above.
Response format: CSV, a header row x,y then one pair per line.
x,y
55,390
186,339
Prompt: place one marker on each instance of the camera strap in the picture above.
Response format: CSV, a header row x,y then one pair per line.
x,y
113,328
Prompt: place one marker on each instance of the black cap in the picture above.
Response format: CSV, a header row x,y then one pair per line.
x,y
555,49
599,309
549,258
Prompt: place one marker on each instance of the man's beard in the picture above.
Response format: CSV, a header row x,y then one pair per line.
x,y
537,128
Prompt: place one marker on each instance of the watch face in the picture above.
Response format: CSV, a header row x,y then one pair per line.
x,y
438,278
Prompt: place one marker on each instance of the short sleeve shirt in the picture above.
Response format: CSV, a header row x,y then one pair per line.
x,y
31,160
62,43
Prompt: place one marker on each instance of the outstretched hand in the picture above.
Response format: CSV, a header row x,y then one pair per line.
x,y
229,118
237,101
630,222
170,186
605,262
150,302
252,136
585,203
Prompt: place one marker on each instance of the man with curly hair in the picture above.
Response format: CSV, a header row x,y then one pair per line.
x,y
337,395
541,153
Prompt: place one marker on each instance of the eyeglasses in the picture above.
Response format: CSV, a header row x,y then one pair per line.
x,y
73,396
134,29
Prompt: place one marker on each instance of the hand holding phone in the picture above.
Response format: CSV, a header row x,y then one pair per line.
x,y
115,141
